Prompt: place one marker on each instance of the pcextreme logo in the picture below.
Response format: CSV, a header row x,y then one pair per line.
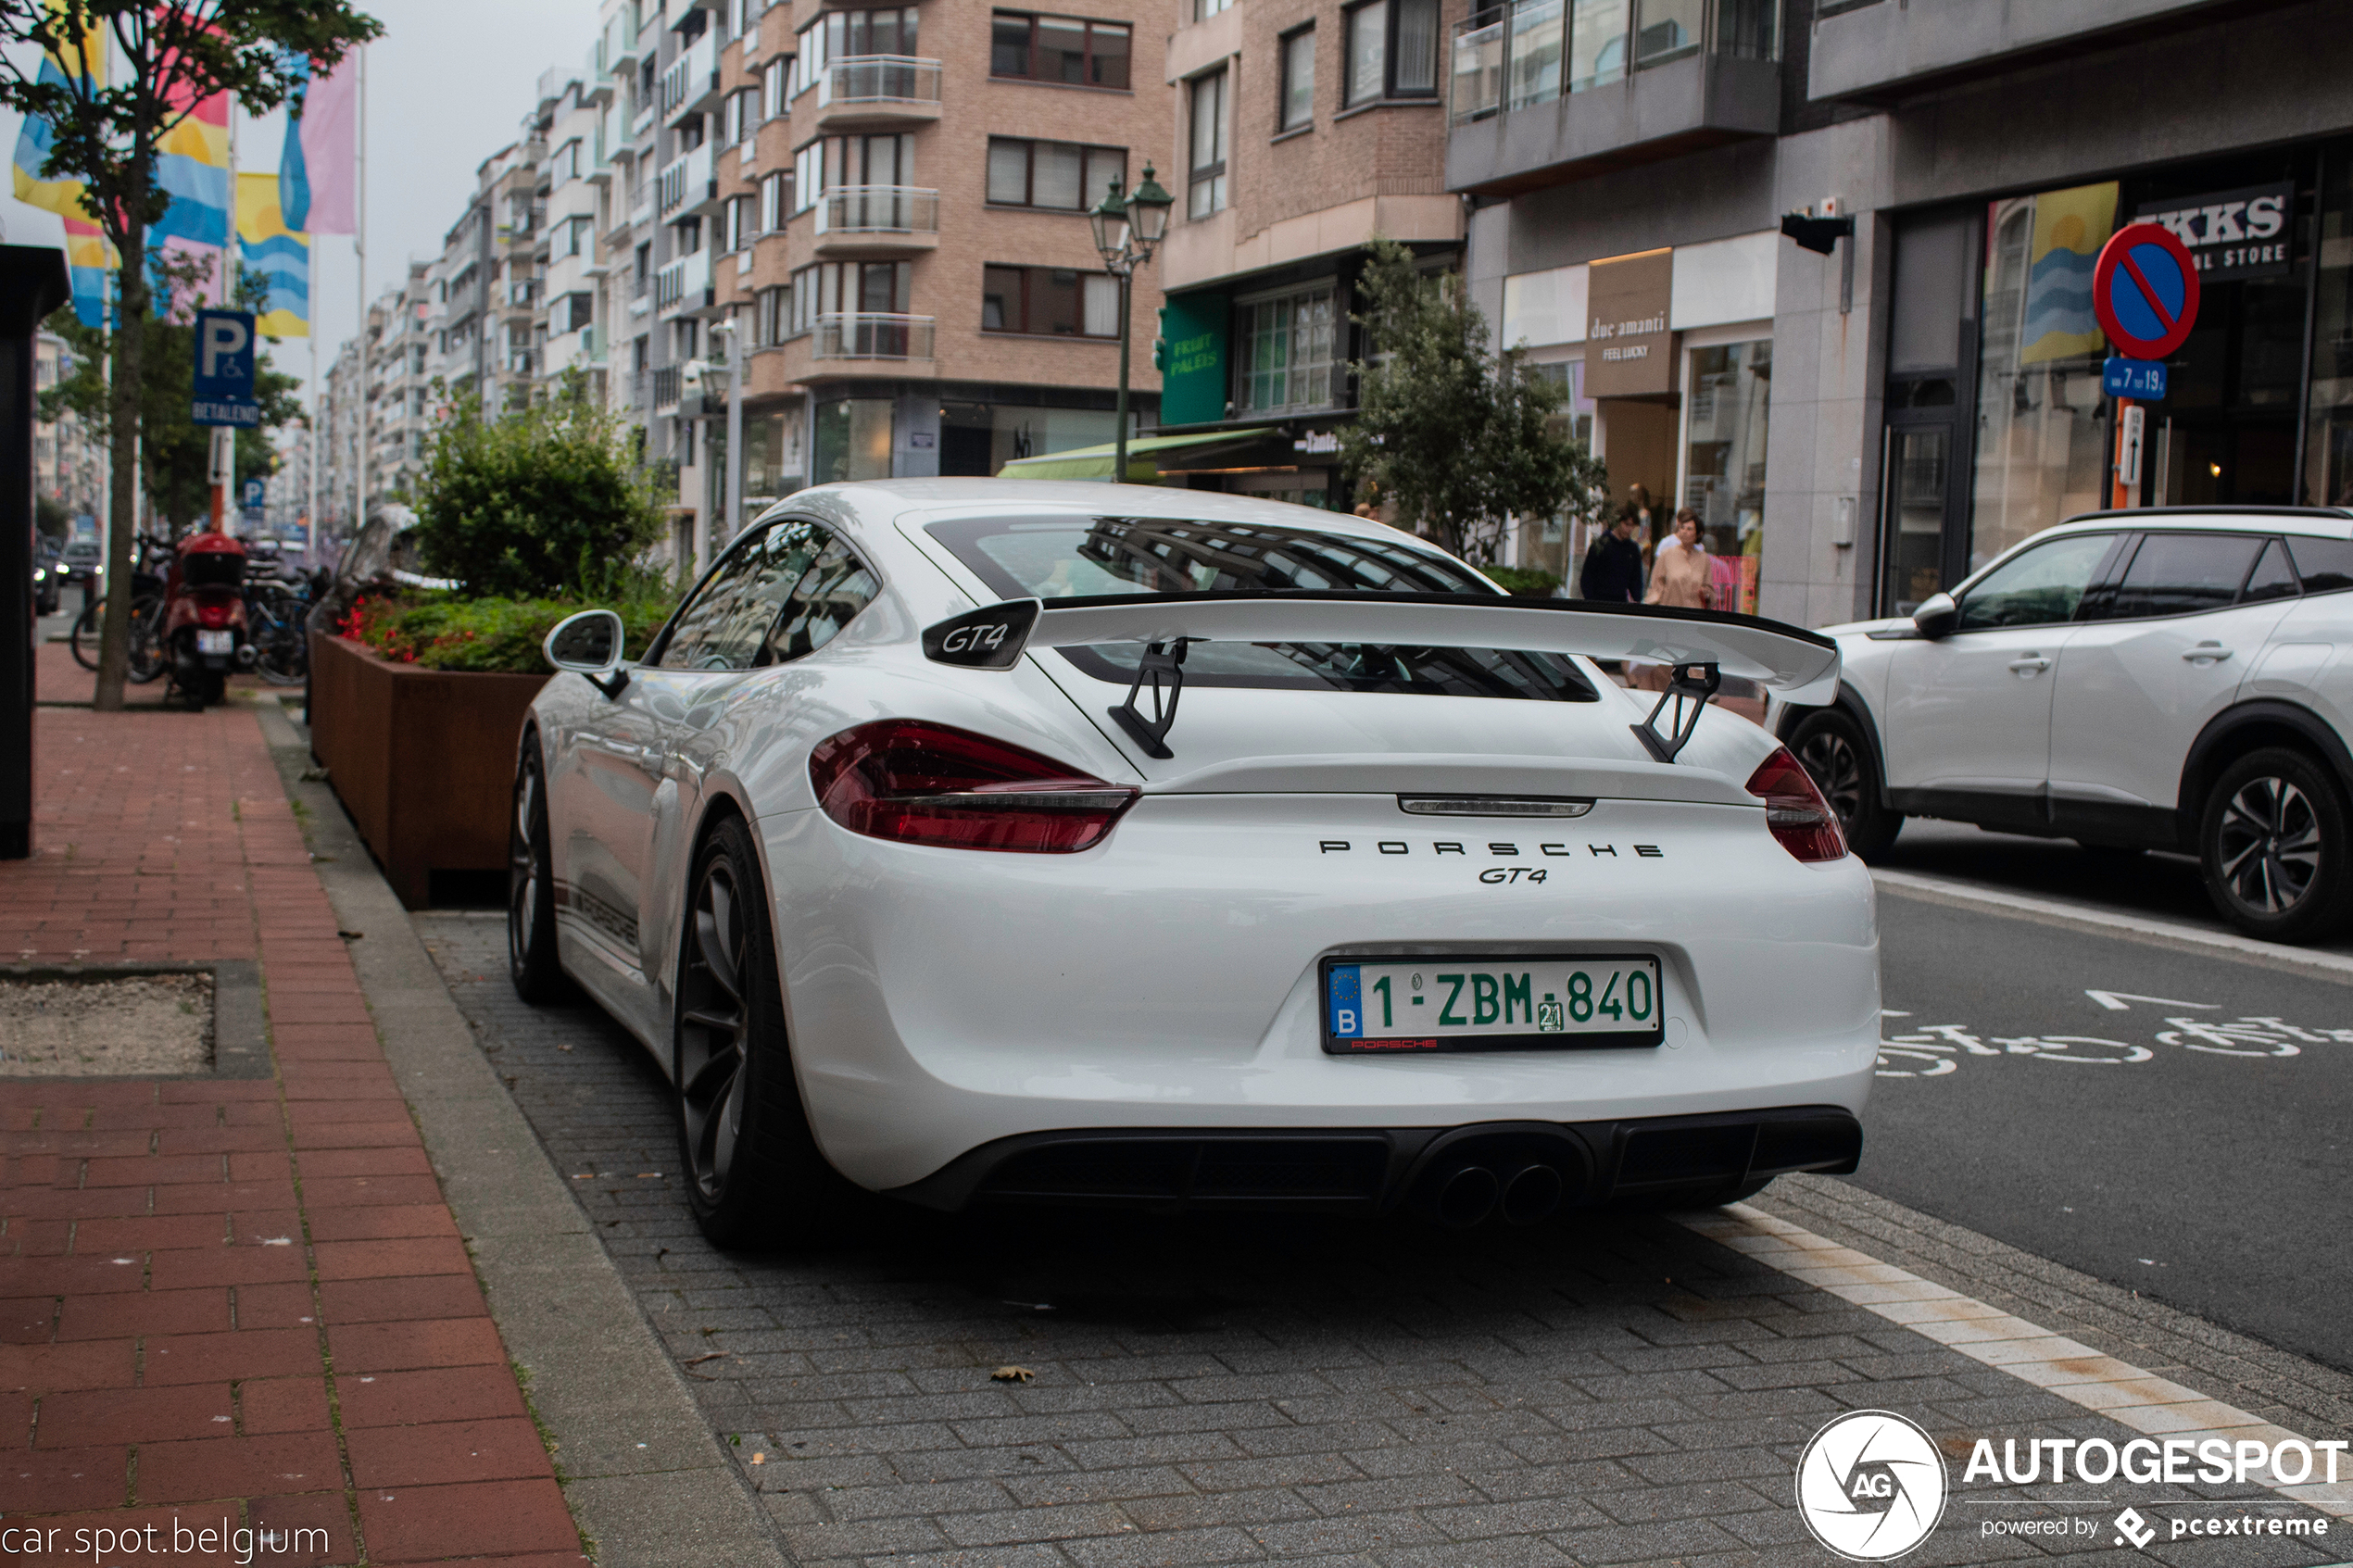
x,y
1872,1486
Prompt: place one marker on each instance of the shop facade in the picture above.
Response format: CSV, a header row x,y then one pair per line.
x,y
1861,429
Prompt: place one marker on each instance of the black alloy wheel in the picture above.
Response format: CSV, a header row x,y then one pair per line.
x,y
755,1175
2274,844
1831,747
531,963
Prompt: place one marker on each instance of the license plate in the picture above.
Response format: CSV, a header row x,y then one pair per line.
x,y
1491,1002
216,642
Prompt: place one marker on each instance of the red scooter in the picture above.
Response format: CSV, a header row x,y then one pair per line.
x,y
204,616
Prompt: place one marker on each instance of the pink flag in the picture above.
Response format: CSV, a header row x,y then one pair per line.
x,y
330,115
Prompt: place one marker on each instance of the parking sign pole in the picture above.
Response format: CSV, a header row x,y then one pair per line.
x,y
2128,451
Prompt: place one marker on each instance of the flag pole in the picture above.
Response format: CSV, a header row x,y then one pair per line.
x,y
360,333
224,437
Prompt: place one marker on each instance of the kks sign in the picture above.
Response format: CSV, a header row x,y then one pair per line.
x,y
2241,233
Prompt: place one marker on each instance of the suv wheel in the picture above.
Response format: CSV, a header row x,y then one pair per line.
x,y
1832,747
2274,846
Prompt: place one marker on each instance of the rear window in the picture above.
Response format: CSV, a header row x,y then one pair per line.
x,y
1074,557
2326,565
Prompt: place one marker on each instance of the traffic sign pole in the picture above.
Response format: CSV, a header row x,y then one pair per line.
x,y
2129,424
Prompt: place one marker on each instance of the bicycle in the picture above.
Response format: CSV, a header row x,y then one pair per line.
x,y
278,619
147,639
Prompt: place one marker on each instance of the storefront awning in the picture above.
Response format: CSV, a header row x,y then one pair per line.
x,y
1095,462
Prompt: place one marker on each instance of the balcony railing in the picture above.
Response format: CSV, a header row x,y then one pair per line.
x,y
878,209
1536,52
872,335
686,282
692,79
666,387
879,78
524,364
684,180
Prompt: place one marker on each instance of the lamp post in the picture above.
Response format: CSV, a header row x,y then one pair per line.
x,y
1127,229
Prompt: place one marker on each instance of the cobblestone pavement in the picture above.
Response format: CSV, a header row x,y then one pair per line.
x,y
1610,1391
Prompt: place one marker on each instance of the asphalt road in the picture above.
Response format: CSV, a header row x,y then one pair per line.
x,y
2196,1148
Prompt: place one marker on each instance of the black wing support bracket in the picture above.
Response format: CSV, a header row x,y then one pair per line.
x,y
1163,665
1688,686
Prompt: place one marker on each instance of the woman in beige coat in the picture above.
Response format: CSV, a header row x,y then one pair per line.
x,y
1680,577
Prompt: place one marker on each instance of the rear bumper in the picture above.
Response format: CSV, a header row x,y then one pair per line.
x,y
1650,1161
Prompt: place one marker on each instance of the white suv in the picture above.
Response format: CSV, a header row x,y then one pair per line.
x,y
2163,679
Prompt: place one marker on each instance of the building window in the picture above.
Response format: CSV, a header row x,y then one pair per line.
x,y
809,176
771,316
1299,80
567,162
841,34
1061,175
1392,51
1204,9
1065,49
1207,187
772,86
774,201
1287,352
1049,301
738,209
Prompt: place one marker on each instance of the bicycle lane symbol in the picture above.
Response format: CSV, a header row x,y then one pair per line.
x,y
1938,1050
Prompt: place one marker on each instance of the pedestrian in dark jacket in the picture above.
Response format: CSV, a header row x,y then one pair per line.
x,y
1613,568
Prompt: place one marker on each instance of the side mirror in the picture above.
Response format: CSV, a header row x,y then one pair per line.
x,y
589,643
1936,617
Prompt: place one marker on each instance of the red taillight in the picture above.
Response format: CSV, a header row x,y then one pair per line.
x,y
1794,810
926,784
212,614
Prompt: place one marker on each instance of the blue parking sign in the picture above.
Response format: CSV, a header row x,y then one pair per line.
x,y
225,347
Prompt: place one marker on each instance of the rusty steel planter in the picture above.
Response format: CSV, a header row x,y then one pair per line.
x,y
423,759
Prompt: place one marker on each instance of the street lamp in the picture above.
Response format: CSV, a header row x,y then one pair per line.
x,y
1127,229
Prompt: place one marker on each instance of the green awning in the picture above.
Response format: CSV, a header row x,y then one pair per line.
x,y
1094,462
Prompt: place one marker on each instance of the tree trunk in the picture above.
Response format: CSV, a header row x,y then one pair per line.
x,y
123,426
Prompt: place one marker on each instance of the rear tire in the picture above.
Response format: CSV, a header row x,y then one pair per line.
x,y
755,1178
2275,845
1831,747
532,964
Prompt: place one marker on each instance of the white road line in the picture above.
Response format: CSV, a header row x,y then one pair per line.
x,y
2137,925
2073,1370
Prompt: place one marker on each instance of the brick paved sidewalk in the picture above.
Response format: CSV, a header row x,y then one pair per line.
x,y
222,1300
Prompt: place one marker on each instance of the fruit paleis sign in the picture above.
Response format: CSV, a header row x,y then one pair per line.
x,y
2242,233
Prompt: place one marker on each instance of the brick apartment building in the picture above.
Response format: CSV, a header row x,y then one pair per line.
x,y
1303,128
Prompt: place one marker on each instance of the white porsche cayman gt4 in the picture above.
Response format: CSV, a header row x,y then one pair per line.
x,y
983,841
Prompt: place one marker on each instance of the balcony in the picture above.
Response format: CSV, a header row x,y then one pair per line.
x,y
684,186
641,202
691,84
877,90
873,335
1689,74
665,387
1868,51
878,219
684,286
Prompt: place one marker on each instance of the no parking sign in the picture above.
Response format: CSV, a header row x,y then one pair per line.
x,y
2145,290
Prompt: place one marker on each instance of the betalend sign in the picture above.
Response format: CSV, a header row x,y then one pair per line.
x,y
2145,290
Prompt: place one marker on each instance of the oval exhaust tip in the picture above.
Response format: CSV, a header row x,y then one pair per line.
x,y
1467,1196
1532,1195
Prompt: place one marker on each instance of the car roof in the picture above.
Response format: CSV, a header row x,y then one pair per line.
x,y
2324,522
877,502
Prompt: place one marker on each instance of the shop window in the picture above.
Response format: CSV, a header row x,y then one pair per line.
x,y
1207,113
1065,49
1726,398
1062,176
2328,442
1051,301
853,440
2042,440
1287,346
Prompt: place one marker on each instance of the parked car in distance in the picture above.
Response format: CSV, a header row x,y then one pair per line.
x,y
2171,678
84,561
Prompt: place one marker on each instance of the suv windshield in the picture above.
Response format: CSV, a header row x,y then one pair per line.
x,y
1072,558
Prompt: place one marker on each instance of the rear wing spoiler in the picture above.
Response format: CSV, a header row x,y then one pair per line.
x,y
1703,645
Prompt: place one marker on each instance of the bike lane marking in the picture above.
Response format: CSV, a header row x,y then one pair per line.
x,y
2140,1400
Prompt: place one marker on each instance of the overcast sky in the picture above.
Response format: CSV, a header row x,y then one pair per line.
x,y
448,86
